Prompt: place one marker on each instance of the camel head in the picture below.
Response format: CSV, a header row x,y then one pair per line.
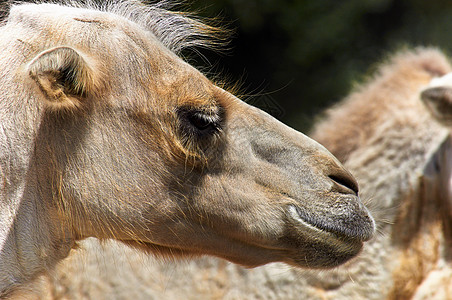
x,y
105,132
437,97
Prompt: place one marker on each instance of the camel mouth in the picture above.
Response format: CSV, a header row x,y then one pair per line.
x,y
320,247
355,230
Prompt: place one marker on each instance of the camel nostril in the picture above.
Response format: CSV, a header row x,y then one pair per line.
x,y
345,184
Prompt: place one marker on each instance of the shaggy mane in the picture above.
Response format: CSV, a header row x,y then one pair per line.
x,y
175,30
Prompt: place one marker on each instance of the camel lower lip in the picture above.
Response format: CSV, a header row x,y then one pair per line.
x,y
327,235
328,248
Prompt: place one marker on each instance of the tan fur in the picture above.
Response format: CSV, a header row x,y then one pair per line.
x,y
400,155
419,231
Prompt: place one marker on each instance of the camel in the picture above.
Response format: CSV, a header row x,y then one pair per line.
x,y
107,133
393,133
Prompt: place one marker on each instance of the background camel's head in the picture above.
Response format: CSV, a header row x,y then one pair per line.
x,y
437,96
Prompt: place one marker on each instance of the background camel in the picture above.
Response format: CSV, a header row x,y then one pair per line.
x,y
401,156
105,132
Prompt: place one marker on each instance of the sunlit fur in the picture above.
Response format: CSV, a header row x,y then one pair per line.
x,y
103,134
402,159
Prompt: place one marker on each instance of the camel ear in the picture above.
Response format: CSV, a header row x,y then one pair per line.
x,y
439,102
64,76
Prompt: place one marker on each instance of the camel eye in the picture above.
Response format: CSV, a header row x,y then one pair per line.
x,y
202,121
199,122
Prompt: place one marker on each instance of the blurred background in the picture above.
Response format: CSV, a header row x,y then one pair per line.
x,y
294,58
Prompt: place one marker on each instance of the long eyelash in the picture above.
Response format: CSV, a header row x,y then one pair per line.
x,y
209,120
190,134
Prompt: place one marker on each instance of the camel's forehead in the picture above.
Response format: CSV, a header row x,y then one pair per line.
x,y
47,10
40,15
74,25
